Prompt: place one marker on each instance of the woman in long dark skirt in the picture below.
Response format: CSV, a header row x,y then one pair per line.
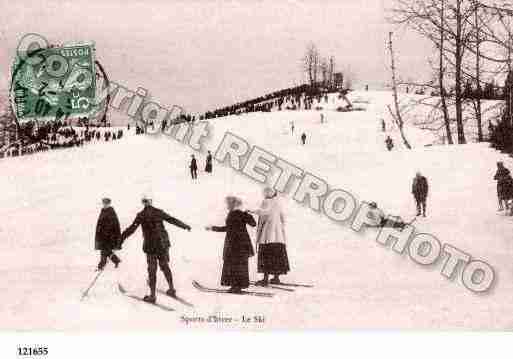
x,y
237,246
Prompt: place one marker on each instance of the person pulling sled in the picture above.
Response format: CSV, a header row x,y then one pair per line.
x,y
420,189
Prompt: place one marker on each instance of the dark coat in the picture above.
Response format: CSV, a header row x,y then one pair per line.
x,y
504,183
208,165
193,165
501,174
108,231
156,239
237,244
420,187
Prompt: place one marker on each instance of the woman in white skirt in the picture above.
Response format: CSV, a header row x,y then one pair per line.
x,y
271,239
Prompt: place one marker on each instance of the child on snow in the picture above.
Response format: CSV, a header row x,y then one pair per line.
x,y
108,234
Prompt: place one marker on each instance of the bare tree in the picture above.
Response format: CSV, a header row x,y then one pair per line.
x,y
324,68
441,77
396,115
448,24
311,61
331,72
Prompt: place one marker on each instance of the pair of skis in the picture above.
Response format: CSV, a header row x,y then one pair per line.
x,y
283,286
161,306
200,287
205,289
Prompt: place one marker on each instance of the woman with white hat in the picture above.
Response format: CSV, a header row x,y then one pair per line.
x,y
271,239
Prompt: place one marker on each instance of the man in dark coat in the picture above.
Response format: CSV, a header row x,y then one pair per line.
x,y
504,185
108,233
156,244
303,138
419,190
208,165
193,167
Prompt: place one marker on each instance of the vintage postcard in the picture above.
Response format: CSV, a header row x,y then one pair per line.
x,y
255,165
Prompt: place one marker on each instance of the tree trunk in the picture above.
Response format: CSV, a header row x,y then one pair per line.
x,y
458,68
397,117
478,79
441,72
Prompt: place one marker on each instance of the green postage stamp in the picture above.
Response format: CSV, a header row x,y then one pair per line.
x,y
54,82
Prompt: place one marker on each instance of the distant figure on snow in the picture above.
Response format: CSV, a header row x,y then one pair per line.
x,y
237,246
208,164
504,185
383,125
377,218
303,138
155,245
193,166
322,118
271,239
389,143
108,235
419,190
292,127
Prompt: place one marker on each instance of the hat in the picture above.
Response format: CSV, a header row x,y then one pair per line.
x,y
233,201
146,198
270,192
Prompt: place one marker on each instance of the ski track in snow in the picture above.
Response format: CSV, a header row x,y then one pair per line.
x,y
51,202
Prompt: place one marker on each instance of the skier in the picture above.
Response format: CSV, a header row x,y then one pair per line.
x,y
504,185
237,246
271,239
303,138
108,233
208,165
419,190
383,125
193,167
389,143
292,127
156,244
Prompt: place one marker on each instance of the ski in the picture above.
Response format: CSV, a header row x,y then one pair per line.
x,y
272,286
178,299
140,299
296,285
225,291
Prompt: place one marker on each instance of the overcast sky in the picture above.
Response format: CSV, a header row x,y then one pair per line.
x,y
205,54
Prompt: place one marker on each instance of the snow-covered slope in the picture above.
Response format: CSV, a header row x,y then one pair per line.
x,y
50,203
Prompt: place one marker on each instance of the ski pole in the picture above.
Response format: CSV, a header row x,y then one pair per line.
x,y
86,292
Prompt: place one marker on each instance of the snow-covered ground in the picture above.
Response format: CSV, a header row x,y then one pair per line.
x,y
50,204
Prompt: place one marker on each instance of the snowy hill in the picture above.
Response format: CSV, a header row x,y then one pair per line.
x,y
51,201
